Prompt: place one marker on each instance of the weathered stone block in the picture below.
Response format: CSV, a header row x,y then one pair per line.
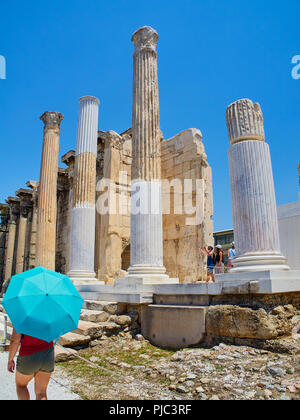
x,y
237,322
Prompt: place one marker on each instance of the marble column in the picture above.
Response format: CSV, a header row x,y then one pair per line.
x,y
146,196
83,224
252,190
20,253
11,240
32,246
47,201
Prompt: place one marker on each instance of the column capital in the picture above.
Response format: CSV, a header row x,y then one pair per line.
x,y
145,39
52,120
89,98
245,121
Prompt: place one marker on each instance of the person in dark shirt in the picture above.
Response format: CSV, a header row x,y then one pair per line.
x,y
35,361
210,262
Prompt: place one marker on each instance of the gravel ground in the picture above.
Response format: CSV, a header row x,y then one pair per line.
x,y
59,388
135,370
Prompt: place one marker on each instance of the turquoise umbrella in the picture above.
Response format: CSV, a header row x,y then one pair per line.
x,y
42,304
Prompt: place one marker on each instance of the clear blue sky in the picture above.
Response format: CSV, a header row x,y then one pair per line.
x,y
211,53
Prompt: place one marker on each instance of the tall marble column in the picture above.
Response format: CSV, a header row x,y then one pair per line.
x,y
32,246
146,196
11,240
252,190
83,225
47,201
20,253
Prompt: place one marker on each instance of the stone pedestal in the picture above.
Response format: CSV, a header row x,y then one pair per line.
x,y
82,243
47,201
146,196
252,190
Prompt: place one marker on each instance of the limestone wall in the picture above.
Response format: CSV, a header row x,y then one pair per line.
x,y
183,157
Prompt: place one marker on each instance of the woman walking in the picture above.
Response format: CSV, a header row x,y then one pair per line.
x,y
35,361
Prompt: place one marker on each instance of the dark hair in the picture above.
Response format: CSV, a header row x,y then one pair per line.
x,y
210,248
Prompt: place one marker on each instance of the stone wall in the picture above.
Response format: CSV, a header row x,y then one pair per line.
x,y
183,157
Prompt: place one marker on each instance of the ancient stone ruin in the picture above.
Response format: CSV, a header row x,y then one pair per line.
x,y
127,215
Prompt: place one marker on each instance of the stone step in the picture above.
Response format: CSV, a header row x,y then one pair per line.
x,y
94,315
95,305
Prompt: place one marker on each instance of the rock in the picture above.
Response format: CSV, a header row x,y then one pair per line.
x,y
239,322
123,320
74,340
94,359
276,372
181,389
94,316
64,354
189,384
89,328
139,337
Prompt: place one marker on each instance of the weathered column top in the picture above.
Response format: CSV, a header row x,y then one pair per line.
x,y
145,39
245,121
89,98
52,120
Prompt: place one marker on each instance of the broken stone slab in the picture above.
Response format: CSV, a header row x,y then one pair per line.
x,y
109,328
113,308
90,329
74,340
93,315
64,354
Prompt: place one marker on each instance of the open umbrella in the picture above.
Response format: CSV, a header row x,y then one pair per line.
x,y
42,304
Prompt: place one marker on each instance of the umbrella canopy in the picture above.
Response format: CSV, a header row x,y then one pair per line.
x,y
42,304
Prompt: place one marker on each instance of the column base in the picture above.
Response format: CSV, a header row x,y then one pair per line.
x,y
150,275
79,278
259,262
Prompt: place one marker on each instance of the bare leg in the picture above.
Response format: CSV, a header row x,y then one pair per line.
x,y
41,381
21,383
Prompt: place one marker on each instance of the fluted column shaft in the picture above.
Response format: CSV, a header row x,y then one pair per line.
x,y
21,243
47,201
9,256
252,190
83,225
146,219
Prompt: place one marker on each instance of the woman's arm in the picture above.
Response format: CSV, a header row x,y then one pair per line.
x,y
13,348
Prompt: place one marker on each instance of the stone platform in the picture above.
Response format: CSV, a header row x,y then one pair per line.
x,y
253,308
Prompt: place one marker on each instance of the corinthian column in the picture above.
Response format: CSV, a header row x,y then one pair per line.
x,y
146,199
83,225
47,201
252,190
11,240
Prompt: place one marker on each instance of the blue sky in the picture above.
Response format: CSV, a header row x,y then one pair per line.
x,y
211,53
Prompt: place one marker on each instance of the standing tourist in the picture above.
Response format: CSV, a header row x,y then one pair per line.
x,y
35,361
231,255
210,263
219,260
